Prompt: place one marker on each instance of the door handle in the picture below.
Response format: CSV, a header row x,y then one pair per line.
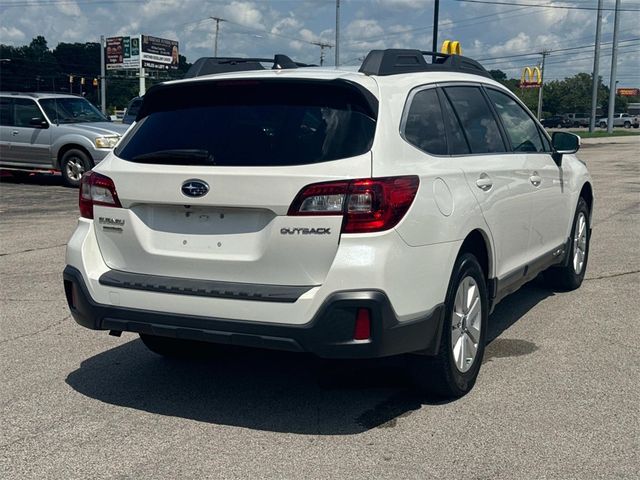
x,y
14,132
535,179
484,183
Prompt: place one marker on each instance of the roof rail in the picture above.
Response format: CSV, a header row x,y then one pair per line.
x,y
211,65
396,61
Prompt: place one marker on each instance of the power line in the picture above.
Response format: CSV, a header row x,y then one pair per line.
x,y
564,7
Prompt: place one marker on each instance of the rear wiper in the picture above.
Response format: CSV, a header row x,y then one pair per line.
x,y
184,155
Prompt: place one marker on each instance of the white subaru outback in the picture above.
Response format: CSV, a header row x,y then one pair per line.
x,y
347,214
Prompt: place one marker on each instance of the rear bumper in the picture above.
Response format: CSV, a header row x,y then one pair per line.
x,y
329,334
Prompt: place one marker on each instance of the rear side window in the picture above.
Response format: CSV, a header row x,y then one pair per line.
x,y
457,143
521,129
424,125
6,111
25,110
478,122
251,123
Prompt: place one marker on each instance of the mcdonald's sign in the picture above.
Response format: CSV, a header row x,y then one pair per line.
x,y
451,47
531,78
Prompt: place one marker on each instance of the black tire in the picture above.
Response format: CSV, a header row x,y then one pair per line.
x,y
627,124
176,347
602,125
74,163
565,277
438,375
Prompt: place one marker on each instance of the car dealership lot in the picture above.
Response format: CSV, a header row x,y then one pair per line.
x,y
556,398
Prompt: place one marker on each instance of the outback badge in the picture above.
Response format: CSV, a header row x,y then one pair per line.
x,y
195,188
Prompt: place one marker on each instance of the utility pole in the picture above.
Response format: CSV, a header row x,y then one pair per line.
x,y
337,33
103,78
436,14
322,46
596,71
614,69
215,44
143,81
544,54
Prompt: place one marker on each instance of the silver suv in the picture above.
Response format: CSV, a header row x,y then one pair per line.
x,y
44,131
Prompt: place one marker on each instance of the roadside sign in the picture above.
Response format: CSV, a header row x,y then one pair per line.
x,y
531,78
159,53
628,92
133,52
123,53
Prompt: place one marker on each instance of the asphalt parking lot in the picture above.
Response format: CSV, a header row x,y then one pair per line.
x,y
557,396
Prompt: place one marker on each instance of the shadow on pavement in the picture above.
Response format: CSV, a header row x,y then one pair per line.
x,y
277,391
31,178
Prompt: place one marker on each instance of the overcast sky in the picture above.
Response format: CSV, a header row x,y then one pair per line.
x,y
265,27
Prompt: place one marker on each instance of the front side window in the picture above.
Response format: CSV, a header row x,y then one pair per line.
x,y
424,126
521,129
71,110
25,111
478,122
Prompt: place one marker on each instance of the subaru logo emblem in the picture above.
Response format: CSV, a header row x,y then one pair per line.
x,y
195,188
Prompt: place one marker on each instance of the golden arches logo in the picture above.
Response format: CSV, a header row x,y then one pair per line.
x,y
531,77
451,47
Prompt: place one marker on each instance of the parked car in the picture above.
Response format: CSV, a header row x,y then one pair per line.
x,y
348,214
556,121
44,131
132,110
619,120
578,119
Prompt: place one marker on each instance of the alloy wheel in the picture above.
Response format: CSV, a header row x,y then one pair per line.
x,y
466,324
580,243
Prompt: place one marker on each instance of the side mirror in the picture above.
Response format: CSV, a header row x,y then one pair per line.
x,y
564,143
38,122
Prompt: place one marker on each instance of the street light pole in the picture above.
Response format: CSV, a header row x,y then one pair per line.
x,y
596,71
337,33
614,69
103,78
436,14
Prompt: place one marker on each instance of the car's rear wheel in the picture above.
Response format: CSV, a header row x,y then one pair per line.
x,y
602,125
570,276
453,371
627,124
73,165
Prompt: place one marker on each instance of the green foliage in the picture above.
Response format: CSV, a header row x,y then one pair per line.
x,y
34,67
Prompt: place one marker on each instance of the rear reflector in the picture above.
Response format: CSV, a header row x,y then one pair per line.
x,y
363,325
368,205
96,189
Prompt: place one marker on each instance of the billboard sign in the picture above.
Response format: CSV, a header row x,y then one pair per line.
x,y
629,92
159,53
123,53
531,78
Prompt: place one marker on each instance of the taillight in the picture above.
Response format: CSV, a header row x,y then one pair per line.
x,y
96,189
368,205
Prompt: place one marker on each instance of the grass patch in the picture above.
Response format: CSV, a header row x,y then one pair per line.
x,y
604,134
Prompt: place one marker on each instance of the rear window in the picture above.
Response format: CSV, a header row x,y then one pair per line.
x,y
252,123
